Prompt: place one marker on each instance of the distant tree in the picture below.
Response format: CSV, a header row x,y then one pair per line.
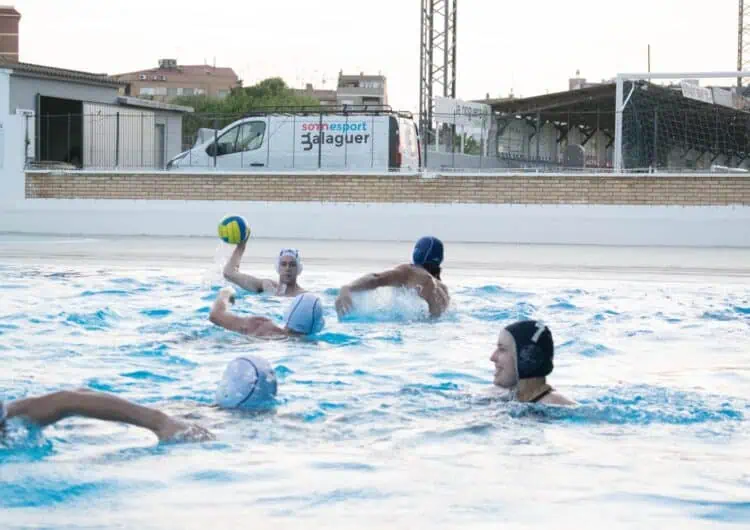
x,y
211,112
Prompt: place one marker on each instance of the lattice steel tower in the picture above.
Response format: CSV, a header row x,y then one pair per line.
x,y
743,39
437,62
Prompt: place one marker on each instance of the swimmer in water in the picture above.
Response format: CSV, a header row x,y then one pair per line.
x,y
304,316
248,383
523,360
288,266
423,275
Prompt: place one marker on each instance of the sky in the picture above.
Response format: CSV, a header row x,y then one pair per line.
x,y
527,47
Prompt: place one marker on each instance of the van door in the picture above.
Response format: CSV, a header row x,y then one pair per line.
x,y
250,140
240,146
223,149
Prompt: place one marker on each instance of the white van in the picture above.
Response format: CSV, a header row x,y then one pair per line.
x,y
328,139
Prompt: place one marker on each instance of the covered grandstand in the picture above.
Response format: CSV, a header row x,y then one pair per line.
x,y
664,127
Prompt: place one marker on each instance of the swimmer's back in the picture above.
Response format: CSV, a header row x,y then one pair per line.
x,y
432,290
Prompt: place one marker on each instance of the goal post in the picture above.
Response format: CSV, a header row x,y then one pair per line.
x,y
674,121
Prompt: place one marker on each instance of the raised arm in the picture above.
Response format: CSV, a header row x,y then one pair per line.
x,y
232,272
396,277
223,317
51,408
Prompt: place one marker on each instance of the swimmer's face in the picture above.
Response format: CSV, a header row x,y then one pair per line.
x,y
287,269
504,359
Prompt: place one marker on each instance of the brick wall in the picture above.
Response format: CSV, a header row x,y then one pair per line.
x,y
551,189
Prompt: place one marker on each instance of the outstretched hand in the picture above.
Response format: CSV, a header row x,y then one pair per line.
x,y
227,293
344,302
180,431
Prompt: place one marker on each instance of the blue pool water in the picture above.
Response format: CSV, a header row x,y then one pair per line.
x,y
388,420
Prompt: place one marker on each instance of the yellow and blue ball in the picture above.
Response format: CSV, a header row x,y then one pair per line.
x,y
233,229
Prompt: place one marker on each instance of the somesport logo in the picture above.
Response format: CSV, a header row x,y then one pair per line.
x,y
335,134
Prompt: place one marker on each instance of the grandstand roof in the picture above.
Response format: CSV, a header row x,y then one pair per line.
x,y
585,106
596,105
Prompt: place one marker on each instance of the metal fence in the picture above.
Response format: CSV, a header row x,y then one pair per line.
x,y
655,138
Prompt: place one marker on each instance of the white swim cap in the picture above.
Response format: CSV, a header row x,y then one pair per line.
x,y
293,252
305,314
248,382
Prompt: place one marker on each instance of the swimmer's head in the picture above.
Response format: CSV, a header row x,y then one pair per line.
x,y
305,315
248,383
288,265
428,254
524,350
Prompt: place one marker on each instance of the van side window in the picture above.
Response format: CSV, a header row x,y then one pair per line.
x,y
227,141
251,136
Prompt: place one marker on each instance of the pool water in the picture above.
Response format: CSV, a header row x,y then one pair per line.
x,y
387,420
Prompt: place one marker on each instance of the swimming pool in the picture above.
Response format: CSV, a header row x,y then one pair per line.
x,y
388,420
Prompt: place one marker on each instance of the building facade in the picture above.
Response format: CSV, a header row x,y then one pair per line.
x,y
80,119
361,89
351,90
170,80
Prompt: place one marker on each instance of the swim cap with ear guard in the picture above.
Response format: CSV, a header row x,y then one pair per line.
x,y
305,314
248,382
428,250
289,252
534,348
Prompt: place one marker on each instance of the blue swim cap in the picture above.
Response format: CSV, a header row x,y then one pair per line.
x,y
305,314
534,348
248,382
428,250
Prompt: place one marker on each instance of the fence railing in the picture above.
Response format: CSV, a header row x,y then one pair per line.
x,y
654,139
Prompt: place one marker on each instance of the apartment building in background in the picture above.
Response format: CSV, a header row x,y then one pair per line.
x,y
361,89
327,98
171,80
9,21
351,90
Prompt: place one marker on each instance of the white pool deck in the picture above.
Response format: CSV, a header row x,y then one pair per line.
x,y
553,261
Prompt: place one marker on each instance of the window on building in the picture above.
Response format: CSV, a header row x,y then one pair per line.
x,y
187,91
222,93
161,91
172,92
251,136
147,91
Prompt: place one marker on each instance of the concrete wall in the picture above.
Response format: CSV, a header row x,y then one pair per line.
x,y
23,92
698,190
12,155
692,226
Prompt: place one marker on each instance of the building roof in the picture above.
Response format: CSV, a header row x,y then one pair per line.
x,y
9,11
191,70
149,104
49,72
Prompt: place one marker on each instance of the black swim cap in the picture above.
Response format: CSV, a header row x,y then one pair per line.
x,y
534,347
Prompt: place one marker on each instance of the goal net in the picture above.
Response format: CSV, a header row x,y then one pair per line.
x,y
691,121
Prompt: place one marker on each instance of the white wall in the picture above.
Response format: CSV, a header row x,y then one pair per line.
x,y
12,147
575,224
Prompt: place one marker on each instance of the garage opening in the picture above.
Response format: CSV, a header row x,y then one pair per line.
x,y
60,130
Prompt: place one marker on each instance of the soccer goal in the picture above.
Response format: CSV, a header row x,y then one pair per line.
x,y
682,122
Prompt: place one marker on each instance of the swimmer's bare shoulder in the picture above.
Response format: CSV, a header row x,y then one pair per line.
x,y
432,290
554,398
